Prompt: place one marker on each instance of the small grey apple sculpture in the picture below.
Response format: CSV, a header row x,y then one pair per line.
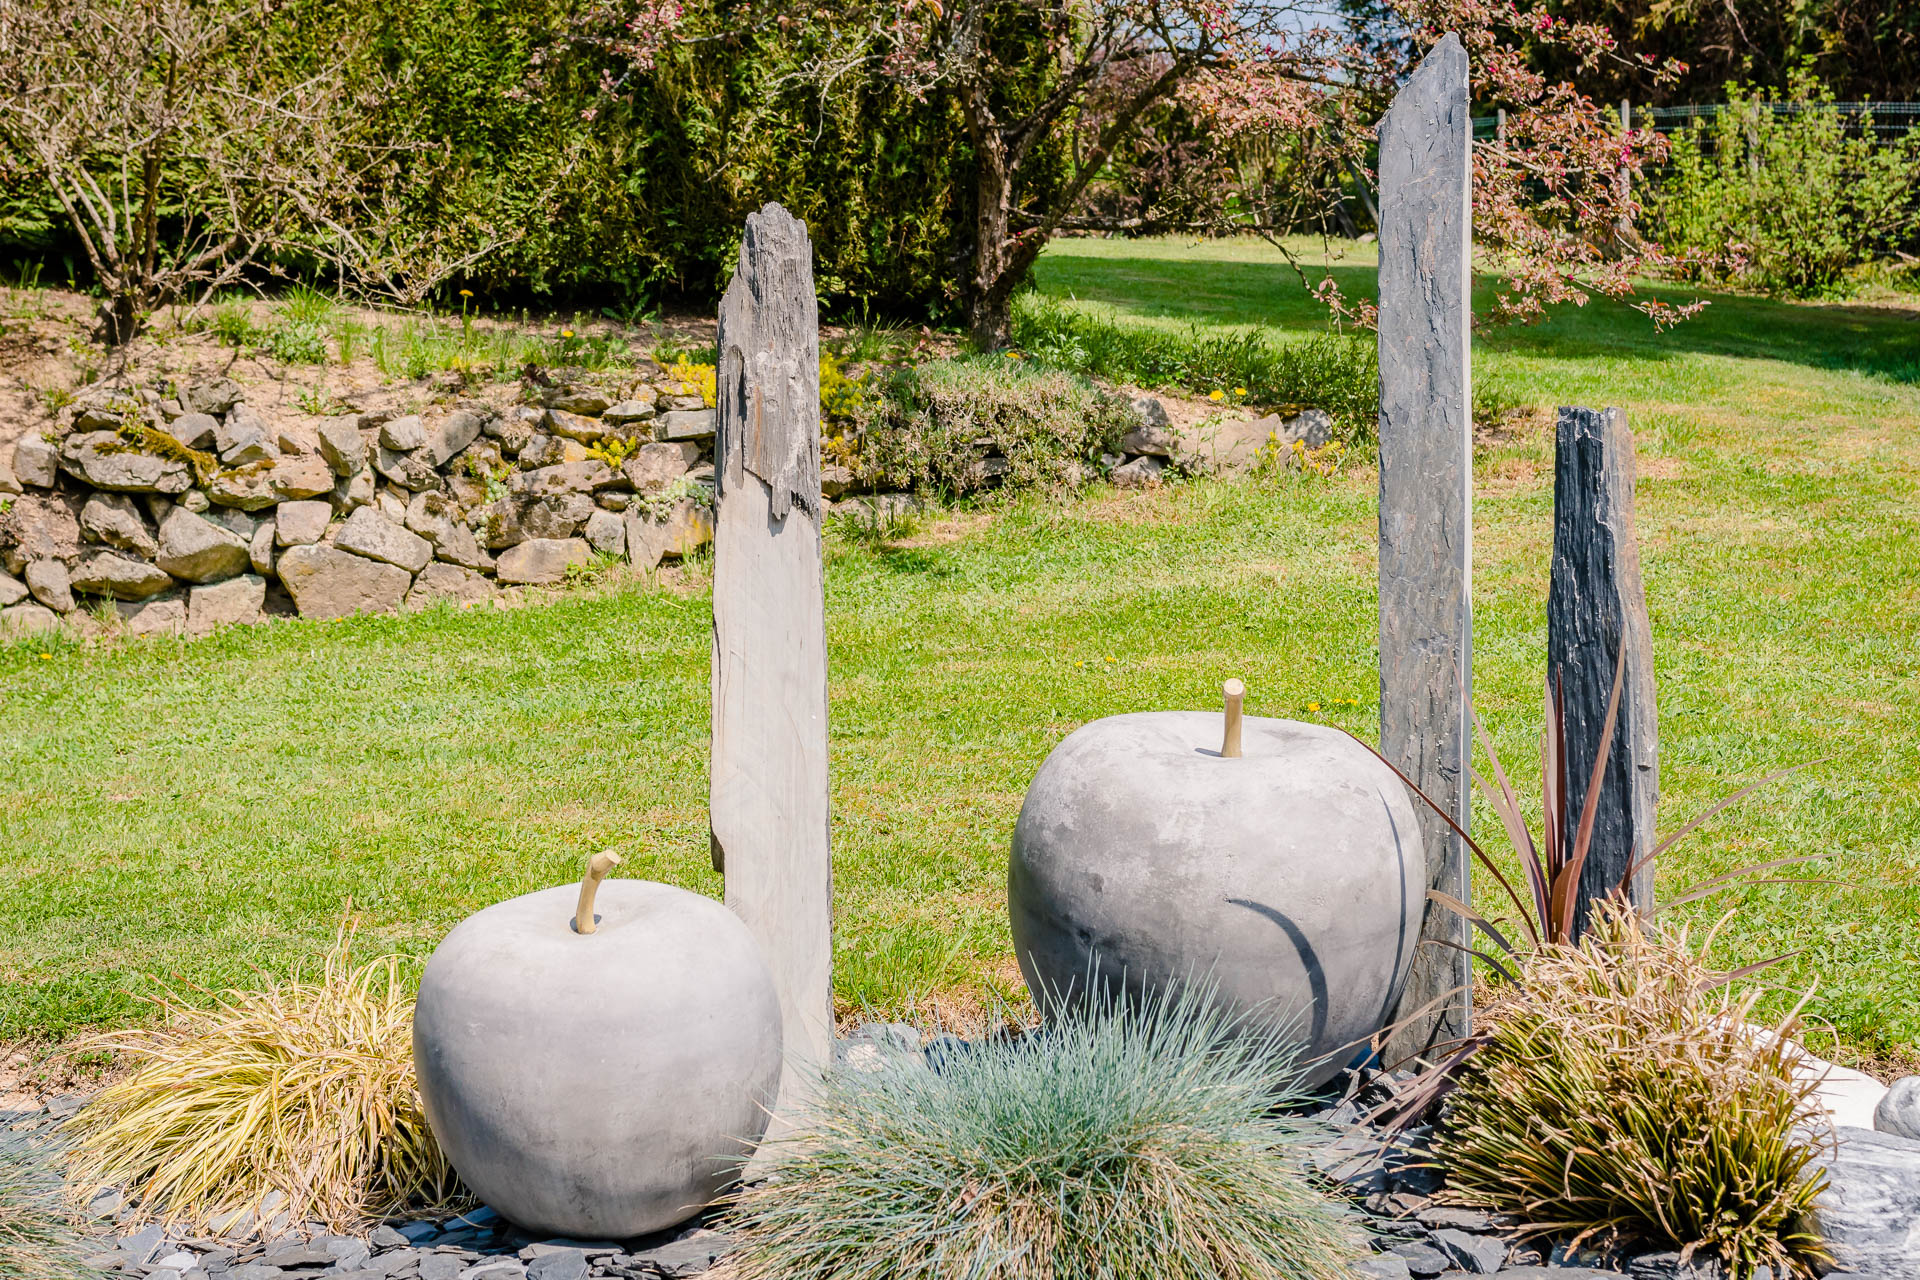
x,y
1279,862
598,1076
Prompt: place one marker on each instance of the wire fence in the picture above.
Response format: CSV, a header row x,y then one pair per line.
x,y
1887,121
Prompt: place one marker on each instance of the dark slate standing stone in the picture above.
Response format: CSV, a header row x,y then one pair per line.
x,y
1595,606
1426,514
768,783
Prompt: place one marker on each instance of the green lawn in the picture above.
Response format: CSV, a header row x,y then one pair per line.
x,y
185,812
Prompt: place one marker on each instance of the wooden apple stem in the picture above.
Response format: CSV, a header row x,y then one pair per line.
x,y
597,867
1236,693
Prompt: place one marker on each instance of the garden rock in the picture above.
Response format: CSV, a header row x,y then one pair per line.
x,y
454,433
543,451
105,461
50,584
1481,1255
575,427
370,534
213,397
683,530
248,488
342,446
458,546
558,516
606,533
1233,445
260,548
235,602
1143,472
560,1264
1869,1211
1459,1219
1422,1259
39,529
1152,412
351,494
441,581
242,438
153,617
628,411
35,462
413,471
685,424
300,524
12,590
117,522
658,465
329,583
1152,438
835,480
576,400
403,435
108,574
1899,1111
1385,1266
306,476
693,1253
198,550
27,619
1310,427
567,477
193,430
542,560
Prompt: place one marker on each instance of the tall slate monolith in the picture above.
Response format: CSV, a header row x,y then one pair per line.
x,y
1596,605
1426,509
768,794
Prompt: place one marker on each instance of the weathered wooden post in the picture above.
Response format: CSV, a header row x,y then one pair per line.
x,y
769,774
1596,606
1426,509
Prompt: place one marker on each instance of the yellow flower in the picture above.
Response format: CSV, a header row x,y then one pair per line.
x,y
46,657
466,293
1313,706
1109,657
1239,391
1216,395
1015,355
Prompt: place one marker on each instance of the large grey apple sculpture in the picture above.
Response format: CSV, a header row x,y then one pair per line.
x,y
598,1075
1280,862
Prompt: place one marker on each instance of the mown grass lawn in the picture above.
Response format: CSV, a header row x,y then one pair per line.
x,y
183,813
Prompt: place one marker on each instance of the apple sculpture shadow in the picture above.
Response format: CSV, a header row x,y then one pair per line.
x,y
598,1076
1281,863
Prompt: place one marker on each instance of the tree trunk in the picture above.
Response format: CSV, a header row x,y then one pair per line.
x,y
989,291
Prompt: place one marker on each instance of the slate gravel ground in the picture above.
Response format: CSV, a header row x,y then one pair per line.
x,y
1391,1184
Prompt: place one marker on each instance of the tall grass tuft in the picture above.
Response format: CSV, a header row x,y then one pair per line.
x,y
1114,1141
1622,1096
306,1088
38,1237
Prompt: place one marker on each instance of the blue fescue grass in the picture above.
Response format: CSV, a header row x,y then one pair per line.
x,y
1114,1141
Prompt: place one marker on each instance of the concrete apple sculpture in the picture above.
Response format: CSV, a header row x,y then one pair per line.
x,y
1279,861
598,1076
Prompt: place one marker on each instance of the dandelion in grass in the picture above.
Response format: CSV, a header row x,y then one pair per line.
x,y
1117,1140
1216,395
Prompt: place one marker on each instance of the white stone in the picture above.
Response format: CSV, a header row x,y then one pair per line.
x,y
542,560
403,434
606,533
369,533
35,462
327,583
198,550
299,524
153,617
235,602
50,584
1898,1112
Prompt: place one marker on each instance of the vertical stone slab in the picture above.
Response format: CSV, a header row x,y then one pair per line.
x,y
1597,605
768,787
1426,511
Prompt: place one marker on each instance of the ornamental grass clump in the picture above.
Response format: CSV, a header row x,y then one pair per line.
x,y
1115,1141
306,1089
1622,1096
38,1237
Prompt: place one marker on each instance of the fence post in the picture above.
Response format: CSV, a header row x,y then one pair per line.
x,y
1426,518
1596,606
768,784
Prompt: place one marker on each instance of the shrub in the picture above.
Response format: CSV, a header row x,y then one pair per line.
x,y
38,1238
1787,202
1115,1141
1338,373
934,427
307,1089
1619,1098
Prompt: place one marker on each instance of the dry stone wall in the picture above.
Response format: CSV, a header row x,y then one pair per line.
x,y
199,511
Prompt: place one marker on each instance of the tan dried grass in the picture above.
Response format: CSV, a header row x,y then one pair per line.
x,y
306,1088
